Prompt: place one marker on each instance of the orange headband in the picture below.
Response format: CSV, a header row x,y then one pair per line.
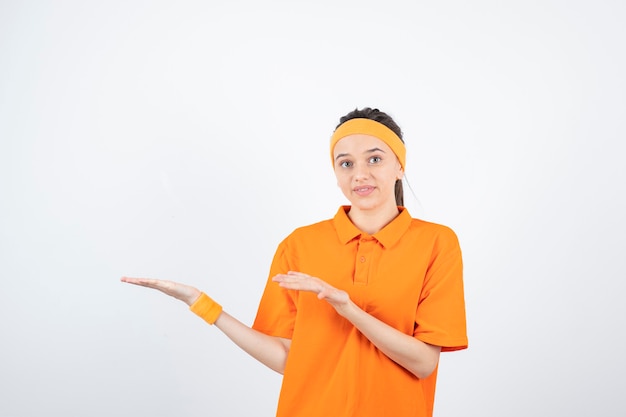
x,y
369,127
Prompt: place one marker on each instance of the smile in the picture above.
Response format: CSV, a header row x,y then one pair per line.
x,y
363,191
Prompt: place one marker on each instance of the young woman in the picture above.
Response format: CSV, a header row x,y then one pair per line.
x,y
357,308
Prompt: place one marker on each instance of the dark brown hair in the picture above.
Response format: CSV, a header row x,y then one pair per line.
x,y
385,119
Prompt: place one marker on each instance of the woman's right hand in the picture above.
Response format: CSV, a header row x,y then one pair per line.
x,y
182,292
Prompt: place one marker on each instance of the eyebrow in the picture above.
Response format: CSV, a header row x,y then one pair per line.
x,y
341,155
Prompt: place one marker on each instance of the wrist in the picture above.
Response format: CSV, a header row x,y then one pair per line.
x,y
206,308
349,310
193,298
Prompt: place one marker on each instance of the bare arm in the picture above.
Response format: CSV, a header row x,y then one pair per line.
x,y
417,357
269,350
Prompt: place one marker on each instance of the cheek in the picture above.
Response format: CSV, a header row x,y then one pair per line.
x,y
341,183
344,185
341,179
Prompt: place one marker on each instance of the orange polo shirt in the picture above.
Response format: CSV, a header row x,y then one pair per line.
x,y
409,275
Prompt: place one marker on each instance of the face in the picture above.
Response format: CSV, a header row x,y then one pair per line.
x,y
366,170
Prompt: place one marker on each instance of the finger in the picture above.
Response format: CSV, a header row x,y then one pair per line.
x,y
298,274
310,284
295,284
147,282
287,278
294,280
138,281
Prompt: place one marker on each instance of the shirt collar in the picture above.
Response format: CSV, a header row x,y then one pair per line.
x,y
388,236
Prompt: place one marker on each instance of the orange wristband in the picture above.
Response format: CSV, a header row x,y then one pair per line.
x,y
206,308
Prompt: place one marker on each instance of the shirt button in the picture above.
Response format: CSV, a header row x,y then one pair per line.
x,y
362,259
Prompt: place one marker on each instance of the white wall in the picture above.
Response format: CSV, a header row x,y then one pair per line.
x,y
184,140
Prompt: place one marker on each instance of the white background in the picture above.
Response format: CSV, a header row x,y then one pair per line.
x,y
183,140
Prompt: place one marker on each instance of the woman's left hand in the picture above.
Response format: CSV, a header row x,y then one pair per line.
x,y
417,357
299,281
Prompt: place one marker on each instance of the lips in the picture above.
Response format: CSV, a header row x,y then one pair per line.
x,y
363,190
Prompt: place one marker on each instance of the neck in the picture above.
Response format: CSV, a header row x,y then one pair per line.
x,y
372,221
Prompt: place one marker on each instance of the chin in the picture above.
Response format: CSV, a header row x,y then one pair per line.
x,y
365,205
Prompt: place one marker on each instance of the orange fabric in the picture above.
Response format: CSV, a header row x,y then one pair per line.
x,y
206,308
408,275
369,127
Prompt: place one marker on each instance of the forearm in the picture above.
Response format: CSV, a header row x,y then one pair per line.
x,y
417,357
269,350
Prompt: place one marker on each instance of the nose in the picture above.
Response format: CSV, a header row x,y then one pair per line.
x,y
361,172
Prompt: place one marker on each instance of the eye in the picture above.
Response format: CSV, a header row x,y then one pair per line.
x,y
345,164
375,159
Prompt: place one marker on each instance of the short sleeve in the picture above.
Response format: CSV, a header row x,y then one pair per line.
x,y
440,315
276,314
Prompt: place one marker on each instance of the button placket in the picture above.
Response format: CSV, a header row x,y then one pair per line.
x,y
363,261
